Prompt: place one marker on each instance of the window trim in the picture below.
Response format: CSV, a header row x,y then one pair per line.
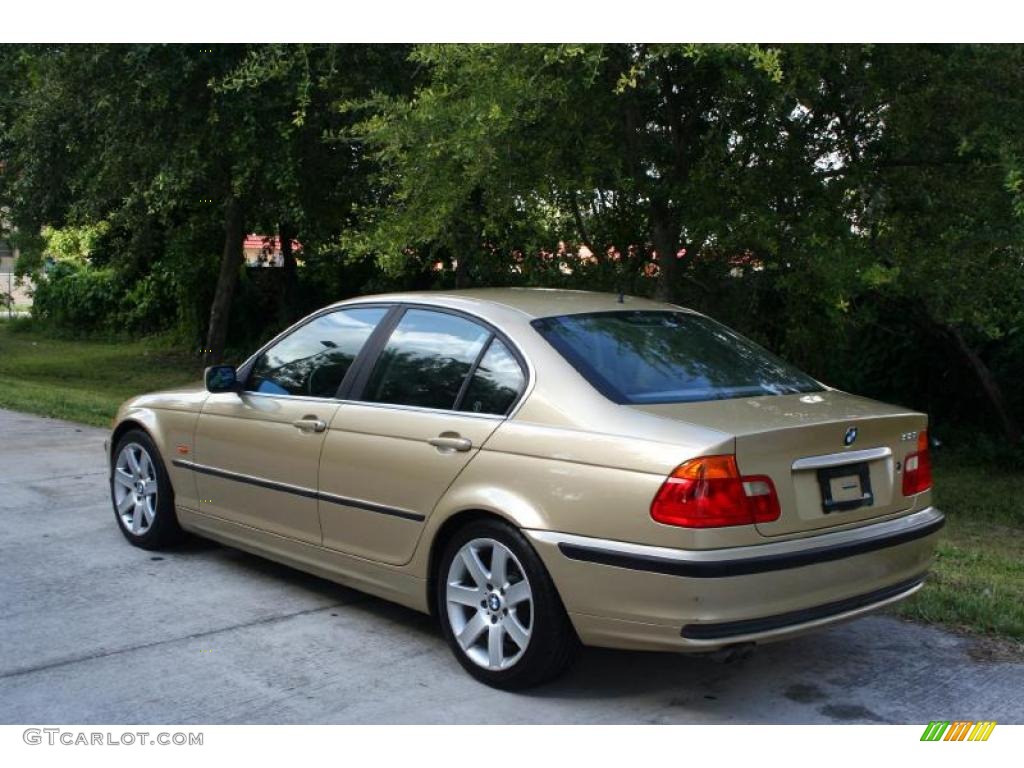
x,y
361,379
355,379
468,379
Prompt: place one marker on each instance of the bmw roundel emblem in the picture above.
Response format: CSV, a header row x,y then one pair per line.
x,y
851,436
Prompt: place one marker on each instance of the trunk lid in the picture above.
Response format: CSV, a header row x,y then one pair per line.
x,y
823,478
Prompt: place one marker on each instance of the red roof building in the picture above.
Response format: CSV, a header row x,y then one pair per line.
x,y
264,251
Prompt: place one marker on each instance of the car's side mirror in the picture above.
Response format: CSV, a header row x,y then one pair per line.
x,y
221,378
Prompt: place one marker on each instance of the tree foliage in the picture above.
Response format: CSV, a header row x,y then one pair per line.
x,y
857,208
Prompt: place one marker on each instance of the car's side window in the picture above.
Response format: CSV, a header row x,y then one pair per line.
x,y
426,360
496,383
314,359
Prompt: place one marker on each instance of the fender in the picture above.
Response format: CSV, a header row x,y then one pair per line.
x,y
146,418
172,430
464,499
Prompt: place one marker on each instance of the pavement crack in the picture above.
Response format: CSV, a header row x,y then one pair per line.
x,y
157,643
27,480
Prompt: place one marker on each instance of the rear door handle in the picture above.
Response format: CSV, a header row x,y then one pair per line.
x,y
310,424
447,442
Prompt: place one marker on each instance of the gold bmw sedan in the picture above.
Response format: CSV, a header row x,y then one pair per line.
x,y
539,469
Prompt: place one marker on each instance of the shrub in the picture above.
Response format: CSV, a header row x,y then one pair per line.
x,y
78,299
151,304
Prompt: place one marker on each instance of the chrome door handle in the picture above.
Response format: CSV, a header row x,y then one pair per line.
x,y
448,442
310,424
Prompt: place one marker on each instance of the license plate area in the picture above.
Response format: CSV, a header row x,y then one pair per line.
x,y
845,487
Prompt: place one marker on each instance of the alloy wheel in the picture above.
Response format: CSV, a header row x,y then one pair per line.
x,y
490,604
135,488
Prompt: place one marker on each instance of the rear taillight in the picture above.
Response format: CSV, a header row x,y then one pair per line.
x,y
917,467
709,492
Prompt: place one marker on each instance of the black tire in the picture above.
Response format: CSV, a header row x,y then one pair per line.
x,y
553,642
164,530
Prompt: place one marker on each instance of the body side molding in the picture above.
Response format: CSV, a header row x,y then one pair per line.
x,y
309,493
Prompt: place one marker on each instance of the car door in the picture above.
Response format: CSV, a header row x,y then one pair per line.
x,y
440,385
256,452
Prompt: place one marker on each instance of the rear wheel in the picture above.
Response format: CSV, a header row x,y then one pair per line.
x,y
141,493
499,609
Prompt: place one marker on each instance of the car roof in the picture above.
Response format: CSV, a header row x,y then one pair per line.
x,y
532,302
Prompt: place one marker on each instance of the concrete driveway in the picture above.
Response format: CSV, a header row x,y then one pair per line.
x,y
96,631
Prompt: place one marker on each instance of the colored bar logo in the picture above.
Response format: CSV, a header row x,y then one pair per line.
x,y
958,730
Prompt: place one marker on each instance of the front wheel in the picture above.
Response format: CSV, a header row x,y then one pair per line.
x,y
499,609
141,493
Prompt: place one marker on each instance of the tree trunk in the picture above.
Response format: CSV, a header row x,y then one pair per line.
x,y
289,276
581,227
989,386
467,237
230,264
462,268
664,238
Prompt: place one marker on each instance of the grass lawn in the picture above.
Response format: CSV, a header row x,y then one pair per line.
x,y
977,583
978,579
84,381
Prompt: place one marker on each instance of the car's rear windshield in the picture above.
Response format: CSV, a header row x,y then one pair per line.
x,y
668,357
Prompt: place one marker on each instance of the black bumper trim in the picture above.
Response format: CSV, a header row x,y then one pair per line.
x,y
728,629
716,569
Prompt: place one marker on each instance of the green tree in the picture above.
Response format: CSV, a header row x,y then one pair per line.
x,y
578,139
856,207
841,180
160,139
926,145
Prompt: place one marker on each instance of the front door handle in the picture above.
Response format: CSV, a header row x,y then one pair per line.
x,y
310,424
447,442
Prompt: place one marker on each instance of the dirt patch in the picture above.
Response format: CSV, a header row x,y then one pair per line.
x,y
994,649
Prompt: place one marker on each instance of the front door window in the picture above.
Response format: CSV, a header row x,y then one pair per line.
x,y
314,359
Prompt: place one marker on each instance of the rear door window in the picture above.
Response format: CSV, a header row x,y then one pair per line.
x,y
496,382
426,360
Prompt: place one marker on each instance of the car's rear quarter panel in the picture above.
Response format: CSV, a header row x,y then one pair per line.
x,y
585,483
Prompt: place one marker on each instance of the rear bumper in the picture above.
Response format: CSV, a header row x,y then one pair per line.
x,y
626,595
804,618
